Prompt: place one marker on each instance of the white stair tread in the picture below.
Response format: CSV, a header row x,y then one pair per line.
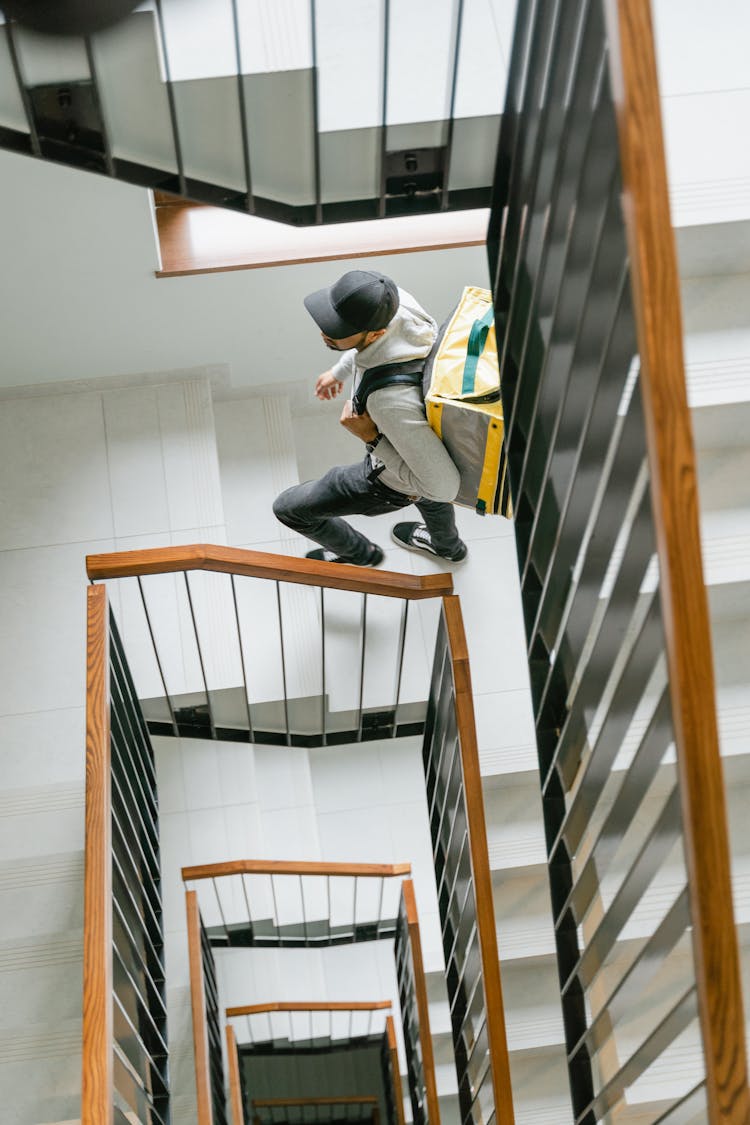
x,y
717,382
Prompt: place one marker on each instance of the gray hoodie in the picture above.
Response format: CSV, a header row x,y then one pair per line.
x,y
415,459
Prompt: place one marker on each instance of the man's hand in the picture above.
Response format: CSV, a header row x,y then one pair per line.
x,y
328,386
361,425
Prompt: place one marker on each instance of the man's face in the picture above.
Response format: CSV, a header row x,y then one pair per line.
x,y
360,340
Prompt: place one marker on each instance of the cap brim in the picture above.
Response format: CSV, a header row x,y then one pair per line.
x,y
319,306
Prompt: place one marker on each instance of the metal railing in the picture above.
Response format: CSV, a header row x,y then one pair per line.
x,y
602,475
420,1062
128,107
391,1070
258,630
318,1026
125,1060
277,904
312,1023
464,885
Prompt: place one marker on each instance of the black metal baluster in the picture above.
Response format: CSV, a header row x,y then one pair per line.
x,y
304,913
108,159
250,203
283,665
167,696
22,88
384,111
323,667
221,910
171,100
315,115
444,194
400,663
250,733
200,656
363,632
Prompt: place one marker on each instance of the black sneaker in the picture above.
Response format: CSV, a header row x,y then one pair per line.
x,y
321,555
416,537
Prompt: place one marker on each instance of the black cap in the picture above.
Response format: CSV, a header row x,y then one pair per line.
x,y
360,301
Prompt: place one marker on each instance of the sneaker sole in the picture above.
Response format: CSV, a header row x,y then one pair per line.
x,y
428,552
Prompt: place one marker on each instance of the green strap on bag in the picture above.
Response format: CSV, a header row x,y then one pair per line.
x,y
477,340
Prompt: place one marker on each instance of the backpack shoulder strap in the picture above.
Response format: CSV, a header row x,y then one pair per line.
x,y
386,375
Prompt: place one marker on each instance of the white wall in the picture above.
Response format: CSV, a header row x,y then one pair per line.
x,y
78,299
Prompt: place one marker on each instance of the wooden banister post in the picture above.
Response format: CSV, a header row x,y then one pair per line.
x,y
235,1086
97,1095
398,1093
198,1006
480,862
674,495
423,1011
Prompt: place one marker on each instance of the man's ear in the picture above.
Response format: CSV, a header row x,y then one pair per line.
x,y
374,335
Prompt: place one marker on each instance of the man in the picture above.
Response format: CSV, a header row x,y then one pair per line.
x,y
365,316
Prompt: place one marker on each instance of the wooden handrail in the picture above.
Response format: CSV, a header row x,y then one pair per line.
x,y
423,1010
292,867
198,1005
480,865
97,1101
309,1006
398,1093
674,495
261,564
235,1086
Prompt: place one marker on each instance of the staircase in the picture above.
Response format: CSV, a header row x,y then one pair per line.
x,y
216,799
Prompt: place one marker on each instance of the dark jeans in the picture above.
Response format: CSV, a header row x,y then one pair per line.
x,y
314,509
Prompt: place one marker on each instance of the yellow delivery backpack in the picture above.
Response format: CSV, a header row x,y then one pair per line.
x,y
460,381
461,385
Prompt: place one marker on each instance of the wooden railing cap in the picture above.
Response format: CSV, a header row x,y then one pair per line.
x,y
293,867
309,1006
263,564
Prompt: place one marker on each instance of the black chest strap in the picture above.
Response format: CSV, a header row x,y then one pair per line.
x,y
387,375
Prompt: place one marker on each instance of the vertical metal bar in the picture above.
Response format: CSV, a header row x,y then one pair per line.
x,y
363,630
354,911
452,106
221,910
270,1028
200,655
109,162
283,665
380,907
304,914
249,1030
384,111
400,663
250,732
311,1026
243,109
316,133
247,902
328,901
277,919
22,89
323,666
167,696
171,99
